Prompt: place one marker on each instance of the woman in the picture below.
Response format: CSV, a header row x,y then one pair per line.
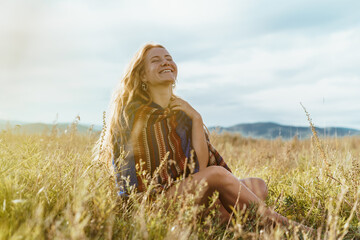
x,y
164,135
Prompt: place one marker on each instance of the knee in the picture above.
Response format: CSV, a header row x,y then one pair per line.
x,y
257,186
217,177
263,189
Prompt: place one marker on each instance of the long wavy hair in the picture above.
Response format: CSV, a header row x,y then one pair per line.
x,y
128,90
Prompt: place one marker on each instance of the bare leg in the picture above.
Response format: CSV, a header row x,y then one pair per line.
x,y
231,190
257,186
224,214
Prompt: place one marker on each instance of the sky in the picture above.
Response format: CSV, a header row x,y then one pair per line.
x,y
239,61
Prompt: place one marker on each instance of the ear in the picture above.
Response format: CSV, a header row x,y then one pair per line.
x,y
143,77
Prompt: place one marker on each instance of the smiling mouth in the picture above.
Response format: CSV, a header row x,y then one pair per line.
x,y
166,71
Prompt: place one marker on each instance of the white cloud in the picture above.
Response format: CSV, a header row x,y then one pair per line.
x,y
238,61
274,80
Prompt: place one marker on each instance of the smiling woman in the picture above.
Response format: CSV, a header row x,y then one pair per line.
x,y
164,136
160,68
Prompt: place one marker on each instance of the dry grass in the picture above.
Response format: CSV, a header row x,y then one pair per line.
x,y
51,189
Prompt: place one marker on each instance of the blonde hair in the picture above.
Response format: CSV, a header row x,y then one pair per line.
x,y
128,91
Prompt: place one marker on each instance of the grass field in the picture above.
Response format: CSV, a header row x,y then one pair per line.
x,y
51,189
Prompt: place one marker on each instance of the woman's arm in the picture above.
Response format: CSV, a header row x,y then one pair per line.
x,y
198,133
199,142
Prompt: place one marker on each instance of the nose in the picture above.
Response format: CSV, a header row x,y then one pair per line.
x,y
165,62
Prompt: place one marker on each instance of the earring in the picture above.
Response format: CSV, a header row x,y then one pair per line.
x,y
144,86
173,85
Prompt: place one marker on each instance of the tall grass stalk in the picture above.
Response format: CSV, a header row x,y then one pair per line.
x,y
51,189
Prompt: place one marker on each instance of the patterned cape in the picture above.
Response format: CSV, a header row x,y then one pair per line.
x,y
158,140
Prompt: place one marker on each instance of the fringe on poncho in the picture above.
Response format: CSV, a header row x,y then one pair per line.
x,y
159,144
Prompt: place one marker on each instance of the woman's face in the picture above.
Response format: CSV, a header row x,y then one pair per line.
x,y
160,68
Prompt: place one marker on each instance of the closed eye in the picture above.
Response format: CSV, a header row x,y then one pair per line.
x,y
155,59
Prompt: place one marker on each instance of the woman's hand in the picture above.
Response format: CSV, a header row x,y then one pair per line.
x,y
178,104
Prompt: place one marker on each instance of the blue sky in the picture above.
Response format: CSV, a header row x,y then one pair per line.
x,y
239,61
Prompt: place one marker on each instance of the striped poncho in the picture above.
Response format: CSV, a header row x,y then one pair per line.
x,y
158,140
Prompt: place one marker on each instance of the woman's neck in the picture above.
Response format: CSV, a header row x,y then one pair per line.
x,y
161,95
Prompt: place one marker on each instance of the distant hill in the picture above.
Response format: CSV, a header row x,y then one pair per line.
x,y
31,128
267,130
270,130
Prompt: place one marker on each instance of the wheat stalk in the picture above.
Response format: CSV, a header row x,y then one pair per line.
x,y
316,139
